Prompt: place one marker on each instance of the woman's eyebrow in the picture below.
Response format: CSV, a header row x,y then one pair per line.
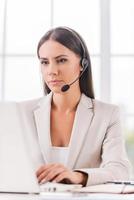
x,y
42,58
62,55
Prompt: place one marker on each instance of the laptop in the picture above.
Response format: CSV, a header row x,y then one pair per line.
x,y
16,171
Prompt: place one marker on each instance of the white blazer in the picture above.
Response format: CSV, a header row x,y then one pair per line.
x,y
96,144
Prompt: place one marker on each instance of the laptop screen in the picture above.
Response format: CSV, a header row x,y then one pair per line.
x,y
16,171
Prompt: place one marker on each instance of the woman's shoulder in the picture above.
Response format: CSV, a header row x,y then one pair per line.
x,y
26,105
106,110
36,103
102,107
31,103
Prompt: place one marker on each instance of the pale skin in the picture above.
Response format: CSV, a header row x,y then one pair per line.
x,y
59,66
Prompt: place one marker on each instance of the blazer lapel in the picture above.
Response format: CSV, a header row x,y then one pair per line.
x,y
82,122
42,121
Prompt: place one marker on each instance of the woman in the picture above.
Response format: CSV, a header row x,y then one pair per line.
x,y
76,138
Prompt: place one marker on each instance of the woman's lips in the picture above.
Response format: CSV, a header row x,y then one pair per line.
x,y
55,82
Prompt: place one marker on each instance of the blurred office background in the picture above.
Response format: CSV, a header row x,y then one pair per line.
x,y
108,29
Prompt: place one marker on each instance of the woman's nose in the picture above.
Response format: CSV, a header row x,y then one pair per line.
x,y
53,69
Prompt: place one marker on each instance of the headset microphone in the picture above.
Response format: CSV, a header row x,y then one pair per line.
x,y
84,63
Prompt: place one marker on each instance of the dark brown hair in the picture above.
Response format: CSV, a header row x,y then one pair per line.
x,y
73,41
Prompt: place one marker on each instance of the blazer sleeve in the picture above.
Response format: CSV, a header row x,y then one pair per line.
x,y
114,165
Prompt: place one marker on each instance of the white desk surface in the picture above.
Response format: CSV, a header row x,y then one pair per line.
x,y
66,196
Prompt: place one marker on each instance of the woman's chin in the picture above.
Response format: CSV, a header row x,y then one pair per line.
x,y
56,90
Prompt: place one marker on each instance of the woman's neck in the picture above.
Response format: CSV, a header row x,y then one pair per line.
x,y
66,102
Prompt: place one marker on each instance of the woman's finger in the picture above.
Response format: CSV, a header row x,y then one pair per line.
x,y
52,174
43,168
63,175
45,172
48,170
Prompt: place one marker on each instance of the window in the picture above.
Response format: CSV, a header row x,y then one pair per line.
x,y
24,22
122,64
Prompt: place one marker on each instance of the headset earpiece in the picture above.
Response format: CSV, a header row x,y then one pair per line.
x,y
84,63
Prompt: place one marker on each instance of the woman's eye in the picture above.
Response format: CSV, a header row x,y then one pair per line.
x,y
44,62
62,60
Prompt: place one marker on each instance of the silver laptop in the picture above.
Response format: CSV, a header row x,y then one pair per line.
x,y
16,171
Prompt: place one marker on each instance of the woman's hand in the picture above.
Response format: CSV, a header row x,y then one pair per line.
x,y
59,173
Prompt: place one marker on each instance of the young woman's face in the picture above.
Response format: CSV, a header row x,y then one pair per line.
x,y
59,65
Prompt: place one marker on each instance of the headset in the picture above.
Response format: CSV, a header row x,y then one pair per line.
x,y
84,61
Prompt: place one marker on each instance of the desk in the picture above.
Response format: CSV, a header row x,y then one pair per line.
x,y
66,196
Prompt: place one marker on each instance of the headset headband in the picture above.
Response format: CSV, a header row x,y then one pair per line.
x,y
77,36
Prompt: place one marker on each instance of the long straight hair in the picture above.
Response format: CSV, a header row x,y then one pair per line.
x,y
73,41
